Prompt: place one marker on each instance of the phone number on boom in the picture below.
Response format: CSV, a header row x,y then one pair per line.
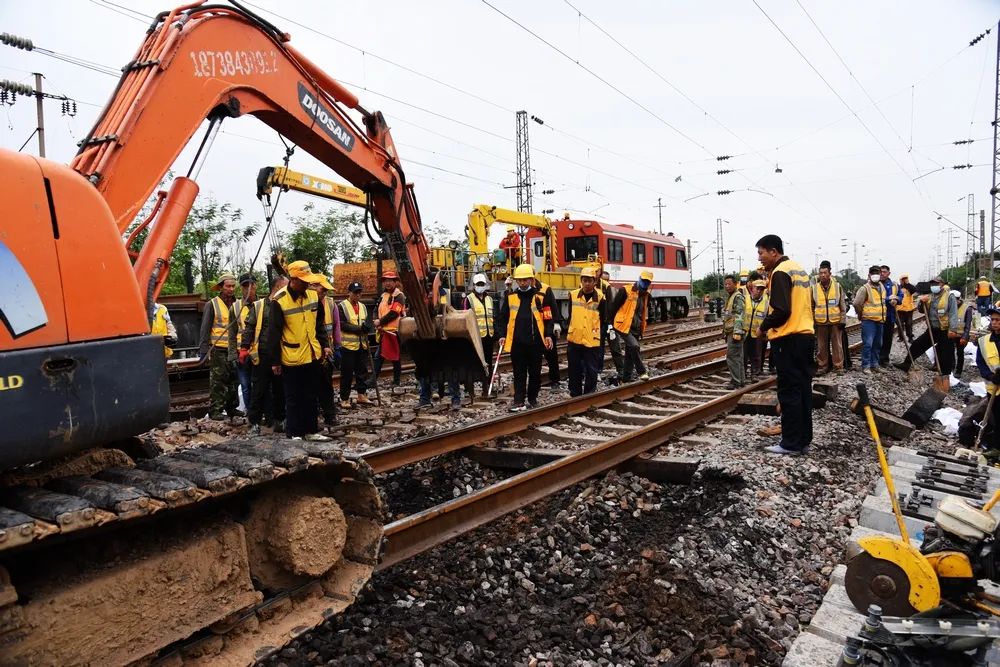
x,y
231,63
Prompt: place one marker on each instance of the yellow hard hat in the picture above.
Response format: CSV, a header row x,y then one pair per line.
x,y
524,271
760,268
759,283
646,275
588,273
744,273
510,228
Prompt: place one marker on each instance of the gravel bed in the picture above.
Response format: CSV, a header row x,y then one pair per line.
x,y
622,571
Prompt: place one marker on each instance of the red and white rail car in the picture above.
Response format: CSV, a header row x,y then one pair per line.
x,y
626,252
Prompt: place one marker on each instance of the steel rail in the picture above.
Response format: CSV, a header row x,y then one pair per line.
x,y
432,527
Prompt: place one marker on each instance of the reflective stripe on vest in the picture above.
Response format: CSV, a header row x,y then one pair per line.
x,y
159,327
298,338
385,306
585,319
962,310
939,307
259,305
991,355
757,312
484,314
800,321
874,308
513,304
353,341
328,307
623,320
827,310
220,327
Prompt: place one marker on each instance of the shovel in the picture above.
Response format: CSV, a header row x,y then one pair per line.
x,y
913,375
985,422
493,375
941,381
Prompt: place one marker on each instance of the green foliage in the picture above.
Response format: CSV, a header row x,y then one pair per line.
x,y
711,284
325,236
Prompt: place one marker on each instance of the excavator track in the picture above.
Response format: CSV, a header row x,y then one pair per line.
x,y
209,555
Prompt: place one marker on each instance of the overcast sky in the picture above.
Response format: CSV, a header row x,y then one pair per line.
x,y
715,78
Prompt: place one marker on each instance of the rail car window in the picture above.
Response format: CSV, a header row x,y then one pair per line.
x,y
682,260
659,255
539,248
616,250
579,247
638,253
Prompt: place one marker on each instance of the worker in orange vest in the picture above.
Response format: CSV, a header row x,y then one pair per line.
x,y
391,308
984,293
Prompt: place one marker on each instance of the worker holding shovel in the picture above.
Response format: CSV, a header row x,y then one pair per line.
x,y
941,309
988,363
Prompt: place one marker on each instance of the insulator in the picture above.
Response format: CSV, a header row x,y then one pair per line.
x,y
724,192
723,157
16,87
16,42
724,171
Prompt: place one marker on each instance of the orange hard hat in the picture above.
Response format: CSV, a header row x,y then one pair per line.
x,y
390,275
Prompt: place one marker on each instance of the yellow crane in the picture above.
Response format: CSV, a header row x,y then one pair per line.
x,y
287,179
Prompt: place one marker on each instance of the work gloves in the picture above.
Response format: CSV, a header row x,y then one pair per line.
x,y
611,332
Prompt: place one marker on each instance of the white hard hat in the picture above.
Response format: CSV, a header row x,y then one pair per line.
x,y
957,293
479,278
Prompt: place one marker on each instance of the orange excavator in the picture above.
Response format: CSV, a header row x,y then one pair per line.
x,y
220,553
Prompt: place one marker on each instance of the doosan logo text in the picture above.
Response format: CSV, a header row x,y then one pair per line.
x,y
325,118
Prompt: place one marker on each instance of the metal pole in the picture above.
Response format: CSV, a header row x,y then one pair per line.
x,y
996,162
41,118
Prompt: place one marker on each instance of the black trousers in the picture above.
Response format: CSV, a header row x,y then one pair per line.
x,y
888,333
353,369
584,366
397,367
301,396
944,348
960,358
526,360
552,359
905,319
793,359
327,404
847,348
753,355
633,360
267,395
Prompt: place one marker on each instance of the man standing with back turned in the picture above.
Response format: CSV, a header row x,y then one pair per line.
x,y
790,330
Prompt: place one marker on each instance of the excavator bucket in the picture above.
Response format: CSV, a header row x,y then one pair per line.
x,y
456,345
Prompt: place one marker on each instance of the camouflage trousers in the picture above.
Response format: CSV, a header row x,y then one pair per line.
x,y
221,383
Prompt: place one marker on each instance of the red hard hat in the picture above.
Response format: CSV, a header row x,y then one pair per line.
x,y
390,275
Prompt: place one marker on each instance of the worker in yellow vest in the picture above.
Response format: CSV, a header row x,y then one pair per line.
x,y
941,308
988,363
613,340
214,346
479,301
870,306
331,323
829,313
628,314
551,354
241,309
296,343
967,330
588,319
904,311
791,334
755,343
355,328
391,308
984,294
735,325
163,326
267,395
526,323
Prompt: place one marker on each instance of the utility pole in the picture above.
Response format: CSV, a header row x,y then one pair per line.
x,y
39,96
523,158
720,251
996,160
970,231
659,205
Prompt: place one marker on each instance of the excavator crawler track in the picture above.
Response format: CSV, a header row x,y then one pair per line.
x,y
208,555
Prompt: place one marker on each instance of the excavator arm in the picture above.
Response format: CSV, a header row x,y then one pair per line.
x,y
284,178
211,62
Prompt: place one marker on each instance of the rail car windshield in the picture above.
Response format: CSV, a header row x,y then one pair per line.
x,y
578,248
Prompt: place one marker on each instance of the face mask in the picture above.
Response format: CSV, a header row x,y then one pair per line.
x,y
523,289
935,289
874,277
480,289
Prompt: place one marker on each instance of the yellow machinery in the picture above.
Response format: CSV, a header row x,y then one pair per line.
x,y
287,179
483,216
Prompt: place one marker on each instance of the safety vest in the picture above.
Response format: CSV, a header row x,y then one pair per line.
x,y
758,309
906,303
623,320
159,327
353,341
800,321
827,303
241,319
220,327
259,305
991,355
513,304
385,305
961,317
484,313
585,319
299,345
328,314
983,288
874,308
729,316
939,306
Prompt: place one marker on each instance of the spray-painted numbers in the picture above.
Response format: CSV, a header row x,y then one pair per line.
x,y
231,63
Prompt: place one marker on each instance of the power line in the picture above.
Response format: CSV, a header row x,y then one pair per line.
x,y
117,11
597,76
